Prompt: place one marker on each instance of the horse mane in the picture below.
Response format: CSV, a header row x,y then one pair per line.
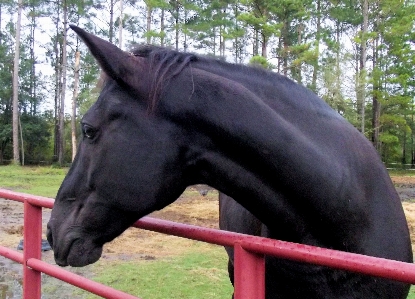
x,y
164,65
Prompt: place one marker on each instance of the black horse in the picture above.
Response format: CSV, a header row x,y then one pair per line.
x,y
165,120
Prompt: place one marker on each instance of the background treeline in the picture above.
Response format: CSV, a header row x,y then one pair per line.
x,y
358,55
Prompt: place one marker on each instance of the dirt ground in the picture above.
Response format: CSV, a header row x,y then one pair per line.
x,y
192,208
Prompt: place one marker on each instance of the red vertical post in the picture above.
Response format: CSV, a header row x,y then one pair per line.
x,y
32,238
249,274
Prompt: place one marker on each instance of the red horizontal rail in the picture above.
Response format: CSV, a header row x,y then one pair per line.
x,y
11,254
380,267
35,200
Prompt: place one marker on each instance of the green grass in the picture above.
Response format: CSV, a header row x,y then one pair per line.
x,y
43,181
401,172
189,276
411,294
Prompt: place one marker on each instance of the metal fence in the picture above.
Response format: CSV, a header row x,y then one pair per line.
x,y
249,255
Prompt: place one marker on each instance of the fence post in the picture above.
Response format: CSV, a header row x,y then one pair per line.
x,y
249,274
32,237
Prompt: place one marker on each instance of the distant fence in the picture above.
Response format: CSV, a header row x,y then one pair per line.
x,y
250,252
399,166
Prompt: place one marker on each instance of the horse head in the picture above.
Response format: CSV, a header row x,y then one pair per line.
x,y
103,192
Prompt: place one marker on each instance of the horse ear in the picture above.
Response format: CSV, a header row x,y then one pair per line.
x,y
116,63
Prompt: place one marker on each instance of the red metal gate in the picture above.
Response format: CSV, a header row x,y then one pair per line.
x,y
249,255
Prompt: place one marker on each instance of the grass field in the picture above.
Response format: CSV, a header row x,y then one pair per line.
x,y
43,181
199,274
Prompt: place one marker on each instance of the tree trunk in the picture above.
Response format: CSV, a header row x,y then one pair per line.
x,y
162,28
236,40
404,148
214,41
255,43
362,73
280,58
299,74
149,11
74,100
111,25
1,38
176,19
376,104
16,156
185,46
338,71
57,85
61,155
221,42
412,140
33,108
120,26
264,46
264,36
21,140
285,45
313,86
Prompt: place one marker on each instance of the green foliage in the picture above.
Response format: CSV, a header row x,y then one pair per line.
x,y
261,61
389,139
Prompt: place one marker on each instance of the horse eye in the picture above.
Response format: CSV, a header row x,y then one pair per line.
x,y
88,131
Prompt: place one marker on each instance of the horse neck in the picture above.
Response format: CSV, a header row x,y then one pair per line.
x,y
255,151
289,159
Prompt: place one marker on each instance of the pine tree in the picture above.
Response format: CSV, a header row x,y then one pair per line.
x,y
16,155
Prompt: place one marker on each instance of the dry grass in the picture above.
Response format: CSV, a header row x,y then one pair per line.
x,y
191,208
409,209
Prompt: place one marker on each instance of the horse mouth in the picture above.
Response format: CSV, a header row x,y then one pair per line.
x,y
82,253
77,253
